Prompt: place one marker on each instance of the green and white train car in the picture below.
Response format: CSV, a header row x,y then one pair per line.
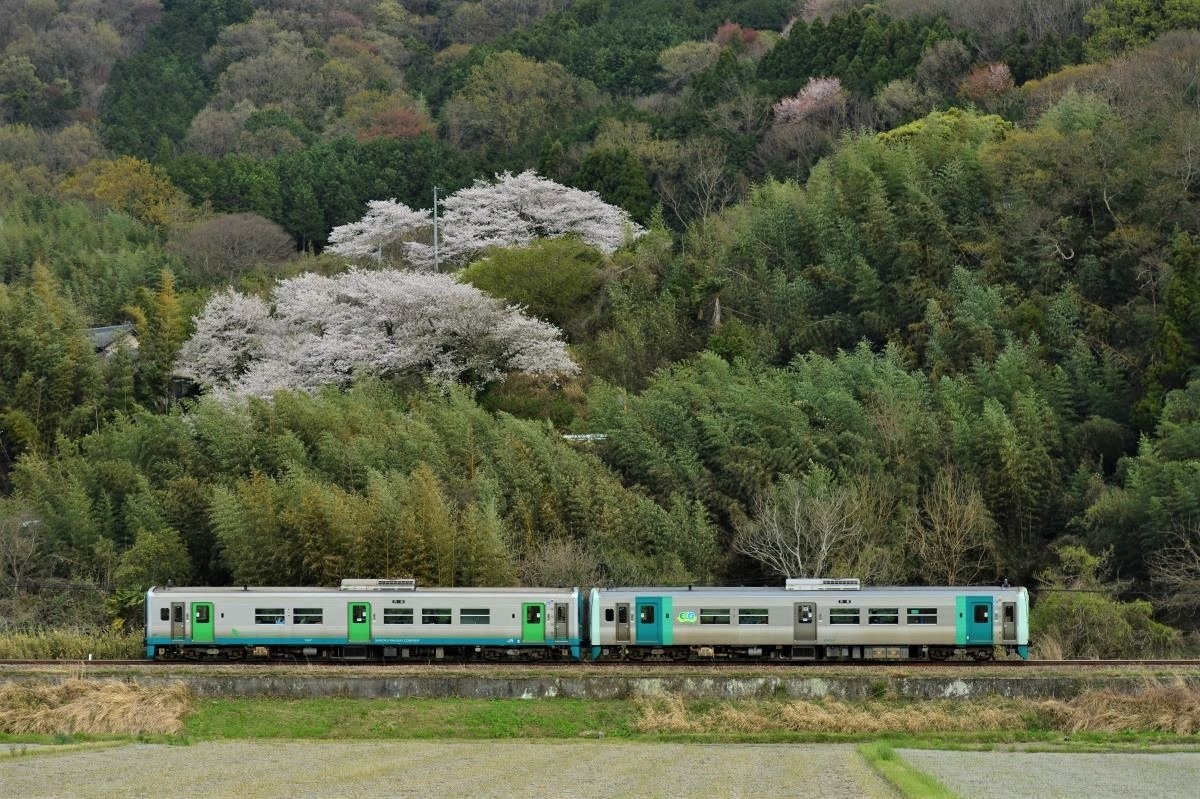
x,y
808,619
363,620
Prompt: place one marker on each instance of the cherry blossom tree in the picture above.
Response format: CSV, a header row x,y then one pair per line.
x,y
324,330
512,211
819,94
387,230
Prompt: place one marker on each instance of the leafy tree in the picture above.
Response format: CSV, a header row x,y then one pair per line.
x,y
509,103
132,186
168,69
1118,25
160,325
1077,615
556,280
617,176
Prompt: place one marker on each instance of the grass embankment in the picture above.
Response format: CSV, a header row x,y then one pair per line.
x,y
1160,713
911,783
58,644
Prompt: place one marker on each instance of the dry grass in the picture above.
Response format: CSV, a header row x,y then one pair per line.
x,y
92,706
71,645
671,714
1170,708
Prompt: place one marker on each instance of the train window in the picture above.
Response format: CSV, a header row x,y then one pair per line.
x,y
436,616
646,614
1010,613
474,616
981,614
608,614
883,616
308,616
165,614
922,616
268,615
711,616
622,614
178,612
752,615
843,615
397,616
202,614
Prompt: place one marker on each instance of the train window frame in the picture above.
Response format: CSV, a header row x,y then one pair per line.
x,y
923,616
845,615
270,615
475,616
883,615
397,615
308,615
715,616
754,616
437,616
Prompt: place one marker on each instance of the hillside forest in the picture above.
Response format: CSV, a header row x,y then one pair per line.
x,y
712,292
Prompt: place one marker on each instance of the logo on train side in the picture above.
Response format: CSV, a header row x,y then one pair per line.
x,y
686,617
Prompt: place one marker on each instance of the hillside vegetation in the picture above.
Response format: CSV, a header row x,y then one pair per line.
x,y
905,290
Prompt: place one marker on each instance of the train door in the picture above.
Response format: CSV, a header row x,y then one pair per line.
x,y
1010,621
806,622
649,620
202,622
533,623
178,621
623,621
561,630
359,623
979,620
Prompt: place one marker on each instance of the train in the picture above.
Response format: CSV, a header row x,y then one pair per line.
x,y
392,620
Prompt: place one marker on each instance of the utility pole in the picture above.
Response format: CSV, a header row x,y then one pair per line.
x,y
435,231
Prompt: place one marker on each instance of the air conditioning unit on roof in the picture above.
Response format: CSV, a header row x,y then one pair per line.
x,y
404,584
822,584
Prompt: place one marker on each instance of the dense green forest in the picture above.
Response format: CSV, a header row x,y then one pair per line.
x,y
908,291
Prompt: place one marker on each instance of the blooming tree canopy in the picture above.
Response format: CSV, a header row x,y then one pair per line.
x,y
324,330
388,224
819,94
512,211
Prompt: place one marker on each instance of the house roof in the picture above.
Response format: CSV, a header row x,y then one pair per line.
x,y
104,337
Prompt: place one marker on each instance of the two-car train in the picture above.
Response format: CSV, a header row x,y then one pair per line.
x,y
394,621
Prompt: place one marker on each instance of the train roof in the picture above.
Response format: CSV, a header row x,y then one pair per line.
x,y
347,592
779,591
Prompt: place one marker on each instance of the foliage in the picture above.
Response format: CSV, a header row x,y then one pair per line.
x,y
1079,613
556,280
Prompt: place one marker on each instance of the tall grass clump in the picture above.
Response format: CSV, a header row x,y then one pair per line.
x,y
1164,707
60,644
93,706
1170,707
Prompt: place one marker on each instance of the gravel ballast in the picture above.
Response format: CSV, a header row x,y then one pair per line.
x,y
482,770
1052,775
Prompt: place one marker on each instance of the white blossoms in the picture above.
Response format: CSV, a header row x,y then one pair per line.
x,y
513,211
324,330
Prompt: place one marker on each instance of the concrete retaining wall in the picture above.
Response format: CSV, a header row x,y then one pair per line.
x,y
613,687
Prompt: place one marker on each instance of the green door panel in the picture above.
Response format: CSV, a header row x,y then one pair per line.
x,y
358,622
533,623
202,622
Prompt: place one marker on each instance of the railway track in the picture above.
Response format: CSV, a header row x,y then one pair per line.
x,y
610,665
